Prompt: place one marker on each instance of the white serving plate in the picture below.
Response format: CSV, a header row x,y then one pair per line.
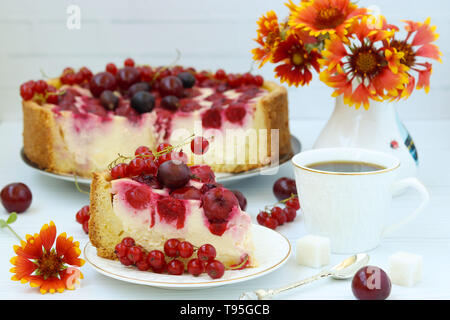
x,y
222,178
271,251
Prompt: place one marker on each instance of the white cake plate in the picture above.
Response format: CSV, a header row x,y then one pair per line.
x,y
220,177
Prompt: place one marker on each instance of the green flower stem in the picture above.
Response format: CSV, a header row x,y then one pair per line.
x,y
14,233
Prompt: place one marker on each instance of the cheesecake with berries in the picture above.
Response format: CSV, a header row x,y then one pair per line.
x,y
169,201
79,122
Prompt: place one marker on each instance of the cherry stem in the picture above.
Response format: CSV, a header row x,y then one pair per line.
x,y
240,265
167,67
293,196
78,186
122,158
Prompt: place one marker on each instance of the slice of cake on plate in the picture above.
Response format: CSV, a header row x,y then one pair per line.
x,y
79,122
176,201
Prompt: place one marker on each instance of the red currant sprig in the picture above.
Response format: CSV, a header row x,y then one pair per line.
x,y
171,260
274,216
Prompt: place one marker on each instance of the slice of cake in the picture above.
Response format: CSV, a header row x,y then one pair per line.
x,y
79,122
177,202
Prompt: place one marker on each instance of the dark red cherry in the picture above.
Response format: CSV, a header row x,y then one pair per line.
x,y
171,86
16,197
109,100
173,174
102,81
140,86
284,187
171,103
371,283
138,197
187,193
127,76
235,113
212,118
143,102
203,173
218,204
187,79
241,199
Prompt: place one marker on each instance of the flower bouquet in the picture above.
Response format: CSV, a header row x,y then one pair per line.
x,y
363,58
358,54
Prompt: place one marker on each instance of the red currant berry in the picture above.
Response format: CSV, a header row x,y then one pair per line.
x,y
128,241
278,214
150,166
215,269
247,78
164,158
136,167
293,203
258,80
26,91
199,145
175,267
40,86
142,150
171,248
86,73
156,259
261,217
220,74
119,171
111,68
128,62
82,214
143,265
185,249
195,267
163,146
16,197
271,223
134,254
86,226
291,213
121,250
125,261
206,252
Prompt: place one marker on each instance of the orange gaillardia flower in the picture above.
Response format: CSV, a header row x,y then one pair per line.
x,y
364,68
296,60
322,17
269,34
46,267
413,47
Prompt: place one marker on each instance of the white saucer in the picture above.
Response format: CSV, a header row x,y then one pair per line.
x,y
271,251
222,178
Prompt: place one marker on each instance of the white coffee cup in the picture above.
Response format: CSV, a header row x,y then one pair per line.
x,y
351,208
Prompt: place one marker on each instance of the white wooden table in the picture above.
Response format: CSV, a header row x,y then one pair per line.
x,y
428,235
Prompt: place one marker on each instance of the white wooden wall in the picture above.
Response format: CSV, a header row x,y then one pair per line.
x,y
210,34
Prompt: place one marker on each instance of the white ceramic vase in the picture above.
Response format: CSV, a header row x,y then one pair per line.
x,y
378,128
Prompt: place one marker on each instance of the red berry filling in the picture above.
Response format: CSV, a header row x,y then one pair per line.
x,y
138,197
172,210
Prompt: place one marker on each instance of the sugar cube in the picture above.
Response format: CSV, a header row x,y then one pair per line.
x,y
405,269
313,251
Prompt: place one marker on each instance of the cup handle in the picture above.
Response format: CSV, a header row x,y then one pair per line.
x,y
401,185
